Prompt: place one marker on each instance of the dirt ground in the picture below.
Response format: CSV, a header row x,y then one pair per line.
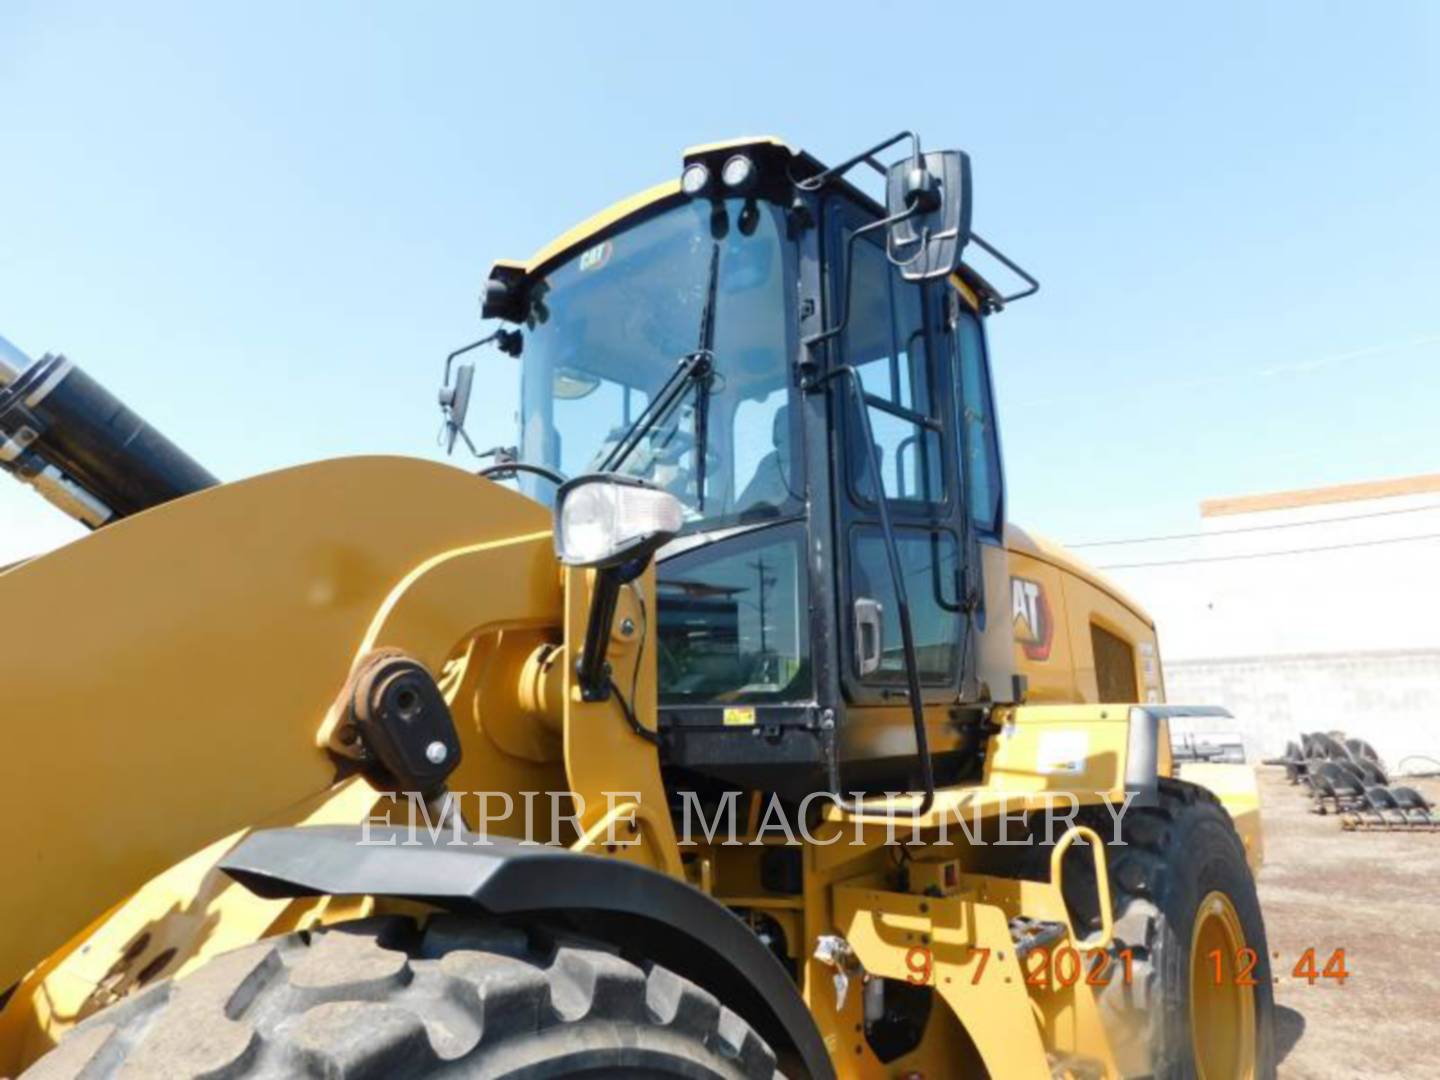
x,y
1377,896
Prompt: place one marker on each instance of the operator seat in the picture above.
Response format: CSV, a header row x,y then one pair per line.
x,y
770,487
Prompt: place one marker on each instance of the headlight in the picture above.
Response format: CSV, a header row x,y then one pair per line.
x,y
695,179
603,520
738,173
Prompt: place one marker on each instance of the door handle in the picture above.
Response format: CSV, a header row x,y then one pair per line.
x,y
869,640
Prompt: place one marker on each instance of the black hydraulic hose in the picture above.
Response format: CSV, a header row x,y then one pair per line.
x,y
902,604
503,467
627,707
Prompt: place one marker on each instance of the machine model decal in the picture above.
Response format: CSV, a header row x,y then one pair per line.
x,y
1030,612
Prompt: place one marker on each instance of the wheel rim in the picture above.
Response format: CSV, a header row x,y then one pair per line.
x,y
1222,1012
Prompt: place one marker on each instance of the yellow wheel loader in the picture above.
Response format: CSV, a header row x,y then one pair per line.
x,y
743,736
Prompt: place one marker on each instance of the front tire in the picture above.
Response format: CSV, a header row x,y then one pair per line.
x,y
385,999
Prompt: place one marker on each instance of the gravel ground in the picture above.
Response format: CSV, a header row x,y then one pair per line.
x,y
1375,895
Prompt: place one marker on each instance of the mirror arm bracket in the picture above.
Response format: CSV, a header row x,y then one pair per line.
x,y
1032,286
508,341
820,179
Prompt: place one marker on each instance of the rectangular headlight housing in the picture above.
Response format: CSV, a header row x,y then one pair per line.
x,y
605,519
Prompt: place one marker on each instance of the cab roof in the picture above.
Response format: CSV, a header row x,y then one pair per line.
x,y
971,285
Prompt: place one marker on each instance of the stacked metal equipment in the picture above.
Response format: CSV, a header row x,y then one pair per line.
x,y
1345,776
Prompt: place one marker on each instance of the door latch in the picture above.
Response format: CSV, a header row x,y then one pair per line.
x,y
869,640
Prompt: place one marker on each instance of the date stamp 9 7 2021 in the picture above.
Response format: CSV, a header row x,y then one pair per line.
x,y
1066,966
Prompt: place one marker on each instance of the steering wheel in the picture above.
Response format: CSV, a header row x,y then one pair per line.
x,y
672,464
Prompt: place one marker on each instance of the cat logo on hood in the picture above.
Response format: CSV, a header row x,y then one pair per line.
x,y
1030,613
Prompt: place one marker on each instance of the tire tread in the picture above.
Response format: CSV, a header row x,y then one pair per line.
x,y
385,999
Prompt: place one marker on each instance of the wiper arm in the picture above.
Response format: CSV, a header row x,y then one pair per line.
x,y
692,367
696,369
705,348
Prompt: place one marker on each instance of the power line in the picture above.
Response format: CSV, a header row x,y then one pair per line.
x,y
1272,554
1253,528
1247,374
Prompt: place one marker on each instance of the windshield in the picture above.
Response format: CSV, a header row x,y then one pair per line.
x,y
609,327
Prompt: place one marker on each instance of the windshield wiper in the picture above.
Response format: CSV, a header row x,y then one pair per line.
x,y
706,348
694,369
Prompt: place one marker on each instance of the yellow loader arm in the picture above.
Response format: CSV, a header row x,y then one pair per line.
x,y
175,667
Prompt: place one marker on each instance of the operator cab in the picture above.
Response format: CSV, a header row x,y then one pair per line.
x,y
714,340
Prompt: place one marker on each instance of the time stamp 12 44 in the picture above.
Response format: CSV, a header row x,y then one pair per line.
x,y
1065,966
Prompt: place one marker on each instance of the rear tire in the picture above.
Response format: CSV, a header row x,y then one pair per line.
x,y
1181,886
383,999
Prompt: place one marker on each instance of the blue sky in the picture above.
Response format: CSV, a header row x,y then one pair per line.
x,y
264,225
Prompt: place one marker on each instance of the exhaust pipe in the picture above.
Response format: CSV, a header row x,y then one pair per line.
x,y
73,441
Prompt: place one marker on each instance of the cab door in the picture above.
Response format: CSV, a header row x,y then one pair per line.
x,y
896,338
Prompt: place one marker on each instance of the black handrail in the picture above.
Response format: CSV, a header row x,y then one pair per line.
x,y
902,604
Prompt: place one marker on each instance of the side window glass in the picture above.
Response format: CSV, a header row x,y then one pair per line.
x,y
734,627
885,342
979,441
930,562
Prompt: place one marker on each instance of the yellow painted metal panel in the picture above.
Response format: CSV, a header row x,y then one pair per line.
x,y
164,677
1040,626
889,930
610,767
1238,789
173,923
1086,604
1023,542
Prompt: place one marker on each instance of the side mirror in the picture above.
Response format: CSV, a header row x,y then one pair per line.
x,y
930,198
455,396
455,403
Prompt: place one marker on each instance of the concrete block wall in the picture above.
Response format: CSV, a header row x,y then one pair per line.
x,y
1390,698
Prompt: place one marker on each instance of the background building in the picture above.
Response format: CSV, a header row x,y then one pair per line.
x,y
1302,611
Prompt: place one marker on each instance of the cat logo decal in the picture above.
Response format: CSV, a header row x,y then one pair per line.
x,y
1030,613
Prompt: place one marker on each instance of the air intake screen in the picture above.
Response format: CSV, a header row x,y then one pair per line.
x,y
1114,665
